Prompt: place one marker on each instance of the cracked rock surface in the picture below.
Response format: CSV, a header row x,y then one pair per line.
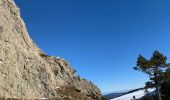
x,y
26,72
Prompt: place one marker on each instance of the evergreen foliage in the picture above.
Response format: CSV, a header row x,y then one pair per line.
x,y
156,67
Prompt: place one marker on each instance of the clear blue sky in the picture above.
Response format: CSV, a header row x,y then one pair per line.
x,y
101,38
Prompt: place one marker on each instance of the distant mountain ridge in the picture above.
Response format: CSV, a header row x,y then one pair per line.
x,y
112,95
127,95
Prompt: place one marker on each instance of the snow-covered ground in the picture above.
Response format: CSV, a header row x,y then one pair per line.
x,y
137,94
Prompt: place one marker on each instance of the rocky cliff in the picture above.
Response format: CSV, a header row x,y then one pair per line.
x,y
26,72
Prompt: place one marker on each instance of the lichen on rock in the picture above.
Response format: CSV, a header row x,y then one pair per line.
x,y
0,1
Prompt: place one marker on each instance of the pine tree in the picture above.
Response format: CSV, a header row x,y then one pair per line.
x,y
155,67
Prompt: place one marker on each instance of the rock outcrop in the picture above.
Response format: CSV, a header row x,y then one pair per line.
x,y
27,72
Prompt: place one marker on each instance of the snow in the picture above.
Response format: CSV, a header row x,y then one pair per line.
x,y
137,94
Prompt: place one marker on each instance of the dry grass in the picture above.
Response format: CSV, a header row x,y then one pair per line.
x,y
65,93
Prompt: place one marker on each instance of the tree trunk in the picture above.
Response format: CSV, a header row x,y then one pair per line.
x,y
157,85
158,93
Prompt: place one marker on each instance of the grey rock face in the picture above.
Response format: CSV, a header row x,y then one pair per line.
x,y
26,72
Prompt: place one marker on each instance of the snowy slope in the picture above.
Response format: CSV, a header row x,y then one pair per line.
x,y
129,96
